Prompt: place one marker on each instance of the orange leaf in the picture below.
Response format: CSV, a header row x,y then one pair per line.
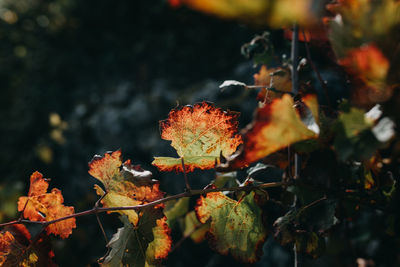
x,y
130,186
276,78
200,135
367,62
276,126
42,206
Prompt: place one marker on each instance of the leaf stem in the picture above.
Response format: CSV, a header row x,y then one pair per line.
x,y
185,175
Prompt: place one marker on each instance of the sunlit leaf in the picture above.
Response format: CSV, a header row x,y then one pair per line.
x,y
129,186
275,126
200,135
235,226
42,206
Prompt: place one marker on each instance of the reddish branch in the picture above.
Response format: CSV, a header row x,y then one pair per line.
x,y
193,192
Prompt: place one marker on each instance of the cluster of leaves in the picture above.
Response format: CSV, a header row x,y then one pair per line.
x,y
346,157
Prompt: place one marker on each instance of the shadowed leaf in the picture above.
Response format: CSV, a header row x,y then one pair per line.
x,y
235,226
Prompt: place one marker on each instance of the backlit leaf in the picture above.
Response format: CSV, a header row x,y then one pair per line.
x,y
42,206
275,126
200,135
129,186
235,226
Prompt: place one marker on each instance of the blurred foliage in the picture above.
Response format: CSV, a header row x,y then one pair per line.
x,y
80,78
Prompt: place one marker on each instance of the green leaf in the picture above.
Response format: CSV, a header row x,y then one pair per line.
x,y
176,209
236,226
193,228
141,245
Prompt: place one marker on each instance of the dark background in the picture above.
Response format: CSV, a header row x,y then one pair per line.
x,y
79,78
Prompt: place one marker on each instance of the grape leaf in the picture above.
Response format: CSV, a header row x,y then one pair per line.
x,y
142,245
275,13
16,249
130,186
200,135
274,78
235,226
193,228
176,209
276,126
42,206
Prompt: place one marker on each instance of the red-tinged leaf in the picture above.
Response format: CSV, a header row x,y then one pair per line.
x,y
235,226
200,135
367,62
276,126
129,186
368,68
317,34
42,206
16,248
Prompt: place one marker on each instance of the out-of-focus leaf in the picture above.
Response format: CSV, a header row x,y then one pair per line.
x,y
277,81
236,226
195,229
176,209
356,135
275,13
275,126
200,135
42,206
227,179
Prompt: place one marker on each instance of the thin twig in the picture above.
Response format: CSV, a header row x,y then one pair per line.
x,y
295,89
98,218
185,176
192,192
268,88
321,81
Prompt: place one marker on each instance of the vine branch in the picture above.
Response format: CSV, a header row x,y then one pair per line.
x,y
192,192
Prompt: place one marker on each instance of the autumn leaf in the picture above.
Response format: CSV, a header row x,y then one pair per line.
x,y
368,68
146,230
200,135
276,125
193,228
16,249
277,79
126,186
143,245
235,226
42,206
274,13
